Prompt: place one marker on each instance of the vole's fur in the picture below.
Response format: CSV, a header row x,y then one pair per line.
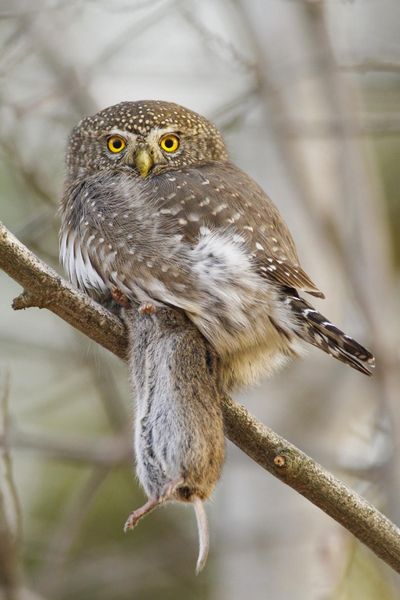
x,y
179,436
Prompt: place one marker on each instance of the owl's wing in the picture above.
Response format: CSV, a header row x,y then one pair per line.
x,y
220,195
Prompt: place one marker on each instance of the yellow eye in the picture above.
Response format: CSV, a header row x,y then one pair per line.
x,y
116,144
169,142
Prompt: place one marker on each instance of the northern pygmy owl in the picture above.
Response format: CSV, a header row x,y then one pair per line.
x,y
154,208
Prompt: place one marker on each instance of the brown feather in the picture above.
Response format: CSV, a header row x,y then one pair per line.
x,y
220,195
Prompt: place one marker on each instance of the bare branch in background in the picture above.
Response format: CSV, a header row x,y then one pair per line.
x,y
369,125
44,287
217,44
10,510
107,451
28,175
337,187
71,83
368,66
108,392
132,32
233,112
67,529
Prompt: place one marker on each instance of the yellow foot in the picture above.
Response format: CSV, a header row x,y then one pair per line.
x,y
120,297
147,308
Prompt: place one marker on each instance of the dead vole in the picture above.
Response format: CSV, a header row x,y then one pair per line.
x,y
179,436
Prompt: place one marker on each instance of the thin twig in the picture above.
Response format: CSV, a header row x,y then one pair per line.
x,y
267,448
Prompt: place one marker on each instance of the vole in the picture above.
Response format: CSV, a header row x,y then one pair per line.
x,y
179,433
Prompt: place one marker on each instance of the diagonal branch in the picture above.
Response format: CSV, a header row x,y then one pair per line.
x,y
43,287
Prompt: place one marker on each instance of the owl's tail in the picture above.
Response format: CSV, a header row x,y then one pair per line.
x,y
315,329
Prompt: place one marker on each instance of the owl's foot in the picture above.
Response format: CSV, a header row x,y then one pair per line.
x,y
120,297
147,308
141,512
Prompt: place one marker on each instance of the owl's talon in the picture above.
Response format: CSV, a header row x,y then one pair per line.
x,y
120,297
147,308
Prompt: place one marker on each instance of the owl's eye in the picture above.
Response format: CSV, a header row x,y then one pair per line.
x,y
169,142
116,144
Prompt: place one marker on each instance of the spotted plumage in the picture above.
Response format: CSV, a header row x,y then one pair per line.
x,y
191,230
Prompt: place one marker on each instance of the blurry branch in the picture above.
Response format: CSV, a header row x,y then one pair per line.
x,y
371,125
36,226
217,44
130,7
44,288
10,511
31,177
67,530
13,50
355,183
332,178
364,254
368,66
44,31
131,33
34,103
232,113
368,125
108,391
106,452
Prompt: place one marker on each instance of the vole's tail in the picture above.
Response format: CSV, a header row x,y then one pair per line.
x,y
204,538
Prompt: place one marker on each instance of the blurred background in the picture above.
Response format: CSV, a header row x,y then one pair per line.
x,y
307,95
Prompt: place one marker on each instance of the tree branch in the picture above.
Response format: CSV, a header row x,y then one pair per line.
x,y
43,287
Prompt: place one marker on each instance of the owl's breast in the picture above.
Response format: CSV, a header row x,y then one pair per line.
x,y
149,240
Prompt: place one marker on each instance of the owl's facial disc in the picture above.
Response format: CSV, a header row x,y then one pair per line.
x,y
153,152
156,150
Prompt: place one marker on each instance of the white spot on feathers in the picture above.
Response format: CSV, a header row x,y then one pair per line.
x,y
204,230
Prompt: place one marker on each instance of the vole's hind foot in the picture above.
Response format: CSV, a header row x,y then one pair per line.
x,y
147,308
141,512
167,493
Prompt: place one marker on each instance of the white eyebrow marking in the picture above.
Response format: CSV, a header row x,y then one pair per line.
x,y
158,132
128,135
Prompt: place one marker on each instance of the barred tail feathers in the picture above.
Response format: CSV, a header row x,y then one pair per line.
x,y
317,330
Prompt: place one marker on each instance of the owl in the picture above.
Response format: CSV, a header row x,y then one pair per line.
x,y
154,209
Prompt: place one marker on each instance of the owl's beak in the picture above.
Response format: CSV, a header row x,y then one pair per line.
x,y
143,161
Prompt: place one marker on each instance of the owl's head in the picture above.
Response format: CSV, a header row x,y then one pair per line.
x,y
145,138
